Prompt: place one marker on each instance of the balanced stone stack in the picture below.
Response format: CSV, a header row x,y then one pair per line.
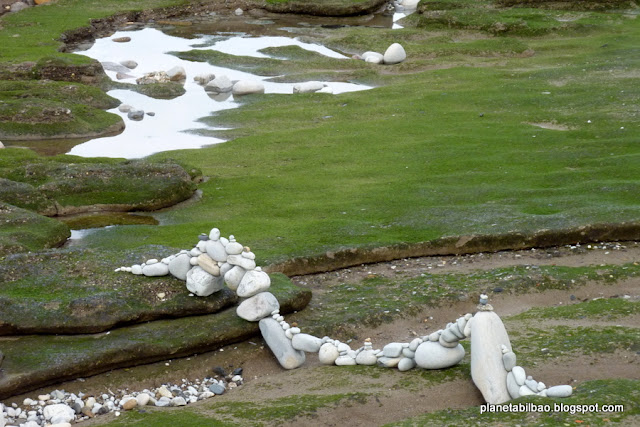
x,y
216,261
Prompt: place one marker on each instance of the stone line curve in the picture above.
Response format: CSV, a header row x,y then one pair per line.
x,y
216,262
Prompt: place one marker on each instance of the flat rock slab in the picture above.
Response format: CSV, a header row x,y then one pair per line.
x,y
73,291
33,361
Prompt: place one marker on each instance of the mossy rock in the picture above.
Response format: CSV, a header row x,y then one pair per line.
x,y
77,291
23,230
37,361
25,196
46,109
81,184
324,8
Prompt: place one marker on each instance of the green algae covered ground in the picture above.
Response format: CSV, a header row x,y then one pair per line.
x,y
501,119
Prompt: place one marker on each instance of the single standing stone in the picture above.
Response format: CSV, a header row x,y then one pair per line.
x,y
487,367
512,387
406,363
280,345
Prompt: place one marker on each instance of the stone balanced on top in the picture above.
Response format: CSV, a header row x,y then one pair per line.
x,y
216,261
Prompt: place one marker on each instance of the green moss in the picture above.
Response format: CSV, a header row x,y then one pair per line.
x,y
285,408
605,309
77,181
602,392
559,341
23,230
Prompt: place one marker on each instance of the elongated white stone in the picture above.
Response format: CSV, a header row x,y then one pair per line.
x,y
431,355
487,368
280,345
307,343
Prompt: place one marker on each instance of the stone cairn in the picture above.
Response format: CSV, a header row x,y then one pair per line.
x,y
216,261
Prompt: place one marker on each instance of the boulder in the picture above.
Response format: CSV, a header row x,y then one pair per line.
x,y
135,115
394,54
216,251
221,84
247,87
431,355
154,270
328,354
18,6
559,391
252,283
59,413
202,283
280,345
129,63
258,307
177,74
180,266
203,79
308,87
373,57
488,335
307,343
233,277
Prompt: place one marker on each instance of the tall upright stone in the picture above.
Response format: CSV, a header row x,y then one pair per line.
x,y
488,335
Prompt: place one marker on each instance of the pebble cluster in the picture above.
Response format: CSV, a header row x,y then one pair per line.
x,y
394,54
519,384
216,261
59,408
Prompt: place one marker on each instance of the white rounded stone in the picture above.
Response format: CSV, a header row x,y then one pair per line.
x,y
257,307
202,283
214,234
431,355
307,343
406,364
559,391
157,269
252,283
345,361
512,387
234,276
216,250
487,369
280,345
307,87
394,54
233,247
328,354
519,375
247,87
246,263
180,266
367,357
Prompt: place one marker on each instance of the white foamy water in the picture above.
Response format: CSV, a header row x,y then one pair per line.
x,y
167,130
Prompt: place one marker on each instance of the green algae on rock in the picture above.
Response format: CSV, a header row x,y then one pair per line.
x,y
79,184
23,230
36,361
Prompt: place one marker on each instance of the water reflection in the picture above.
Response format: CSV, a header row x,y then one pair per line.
x,y
166,130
